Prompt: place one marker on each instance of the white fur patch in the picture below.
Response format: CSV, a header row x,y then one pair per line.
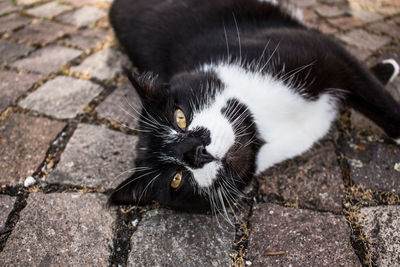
x,y
395,66
397,141
272,2
222,138
205,176
287,122
290,9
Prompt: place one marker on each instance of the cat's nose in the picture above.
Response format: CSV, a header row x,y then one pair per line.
x,y
198,157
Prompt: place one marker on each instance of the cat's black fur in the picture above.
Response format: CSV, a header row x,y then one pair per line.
x,y
171,38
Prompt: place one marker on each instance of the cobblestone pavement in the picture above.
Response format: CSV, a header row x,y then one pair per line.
x,y
66,141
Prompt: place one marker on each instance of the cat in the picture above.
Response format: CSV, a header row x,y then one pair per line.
x,y
230,88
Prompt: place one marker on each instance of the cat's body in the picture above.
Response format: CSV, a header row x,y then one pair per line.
x,y
254,85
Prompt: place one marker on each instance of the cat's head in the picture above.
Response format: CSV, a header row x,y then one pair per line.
x,y
196,146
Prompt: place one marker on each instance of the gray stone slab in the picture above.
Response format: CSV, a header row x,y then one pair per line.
x,y
304,3
373,164
306,238
13,84
364,39
386,27
360,53
88,38
24,143
63,98
8,6
166,238
10,50
6,206
123,105
10,22
104,64
381,226
366,16
88,2
84,16
97,157
330,11
47,59
312,180
48,10
42,32
61,230
27,2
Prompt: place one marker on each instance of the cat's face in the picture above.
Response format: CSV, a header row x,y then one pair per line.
x,y
196,148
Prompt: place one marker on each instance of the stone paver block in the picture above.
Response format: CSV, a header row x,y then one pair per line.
x,y
27,2
180,239
363,125
304,3
42,32
360,53
366,16
47,59
334,2
63,98
88,2
8,6
364,39
13,84
330,11
25,140
61,230
307,238
12,21
87,38
312,180
6,206
346,23
123,106
104,64
96,156
83,17
373,164
388,28
381,226
48,10
309,15
10,50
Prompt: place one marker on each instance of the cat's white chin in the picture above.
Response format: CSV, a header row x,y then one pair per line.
x,y
206,175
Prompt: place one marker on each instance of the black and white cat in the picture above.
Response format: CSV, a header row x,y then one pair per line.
x,y
238,86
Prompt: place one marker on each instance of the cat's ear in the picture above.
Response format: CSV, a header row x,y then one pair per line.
x,y
146,86
131,191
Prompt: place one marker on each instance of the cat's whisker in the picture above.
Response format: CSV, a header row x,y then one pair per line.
x,y
136,178
262,55
238,36
270,57
226,40
147,186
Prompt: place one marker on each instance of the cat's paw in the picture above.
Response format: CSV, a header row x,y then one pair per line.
x,y
395,68
386,71
397,141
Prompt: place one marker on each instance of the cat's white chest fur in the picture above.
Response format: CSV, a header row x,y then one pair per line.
x,y
286,121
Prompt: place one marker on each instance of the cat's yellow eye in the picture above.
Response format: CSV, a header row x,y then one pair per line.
x,y
180,118
176,181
